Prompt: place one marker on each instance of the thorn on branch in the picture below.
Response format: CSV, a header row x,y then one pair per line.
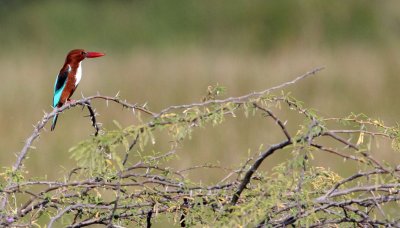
x,y
92,115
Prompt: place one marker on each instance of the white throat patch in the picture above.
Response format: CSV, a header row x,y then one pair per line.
x,y
78,75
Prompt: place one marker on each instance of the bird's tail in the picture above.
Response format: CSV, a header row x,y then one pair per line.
x,y
54,122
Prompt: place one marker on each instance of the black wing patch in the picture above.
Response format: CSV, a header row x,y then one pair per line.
x,y
61,78
59,86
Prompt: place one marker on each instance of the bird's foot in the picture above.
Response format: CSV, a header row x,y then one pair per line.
x,y
70,100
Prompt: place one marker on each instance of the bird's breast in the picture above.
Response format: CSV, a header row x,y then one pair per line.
x,y
78,75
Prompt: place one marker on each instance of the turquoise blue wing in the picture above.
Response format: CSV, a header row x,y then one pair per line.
x,y
59,86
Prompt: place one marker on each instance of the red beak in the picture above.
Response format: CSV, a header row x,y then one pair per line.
x,y
94,54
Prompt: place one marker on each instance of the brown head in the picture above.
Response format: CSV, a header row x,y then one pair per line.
x,y
78,55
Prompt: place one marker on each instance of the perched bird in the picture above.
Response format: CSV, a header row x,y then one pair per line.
x,y
69,77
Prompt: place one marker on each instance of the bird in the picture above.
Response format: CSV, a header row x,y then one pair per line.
x,y
69,77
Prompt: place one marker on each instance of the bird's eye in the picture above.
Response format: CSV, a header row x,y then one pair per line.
x,y
83,53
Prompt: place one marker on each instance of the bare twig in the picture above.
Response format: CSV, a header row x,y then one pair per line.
x,y
244,97
255,166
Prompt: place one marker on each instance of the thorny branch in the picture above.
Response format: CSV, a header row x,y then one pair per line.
x,y
244,97
82,102
142,189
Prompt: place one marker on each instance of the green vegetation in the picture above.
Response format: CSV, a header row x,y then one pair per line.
x,y
258,25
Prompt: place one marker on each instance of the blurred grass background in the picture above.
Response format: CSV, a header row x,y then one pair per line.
x,y
168,52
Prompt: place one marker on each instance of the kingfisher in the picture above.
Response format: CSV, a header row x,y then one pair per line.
x,y
69,77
